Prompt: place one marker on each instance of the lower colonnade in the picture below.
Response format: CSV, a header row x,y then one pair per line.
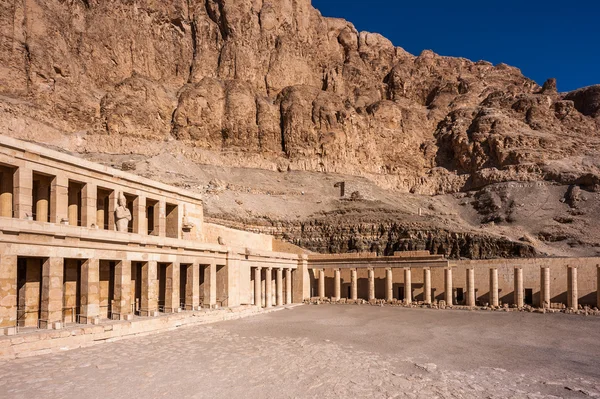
x,y
403,289
52,292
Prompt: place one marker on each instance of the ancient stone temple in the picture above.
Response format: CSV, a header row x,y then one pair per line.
x,y
89,253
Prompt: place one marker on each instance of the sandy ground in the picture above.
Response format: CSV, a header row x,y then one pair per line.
x,y
332,351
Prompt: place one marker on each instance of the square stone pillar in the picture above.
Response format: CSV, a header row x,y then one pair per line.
x,y
42,205
162,218
545,299
407,286
23,192
192,286
122,304
493,296
52,292
427,285
90,290
8,291
258,287
448,286
228,292
288,286
301,281
30,294
353,284
140,221
268,287
59,199
572,290
470,286
172,304
112,206
149,305
519,291
89,201
321,288
6,193
389,285
210,285
337,289
279,278
371,276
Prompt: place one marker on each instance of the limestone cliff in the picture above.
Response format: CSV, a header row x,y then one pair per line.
x,y
274,85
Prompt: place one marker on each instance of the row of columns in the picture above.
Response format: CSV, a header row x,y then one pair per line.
x,y
389,292
281,298
519,298
58,199
52,292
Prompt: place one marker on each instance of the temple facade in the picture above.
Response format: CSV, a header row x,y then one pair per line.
x,y
84,244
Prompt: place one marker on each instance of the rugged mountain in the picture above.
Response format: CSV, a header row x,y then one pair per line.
x,y
273,85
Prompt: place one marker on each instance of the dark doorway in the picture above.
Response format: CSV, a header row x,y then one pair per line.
x,y
400,293
460,295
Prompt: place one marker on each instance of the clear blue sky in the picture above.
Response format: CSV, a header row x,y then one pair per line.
x,y
559,39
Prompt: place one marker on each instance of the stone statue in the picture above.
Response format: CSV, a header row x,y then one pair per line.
x,y
122,214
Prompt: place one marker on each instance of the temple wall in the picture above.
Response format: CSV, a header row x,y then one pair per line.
x,y
236,238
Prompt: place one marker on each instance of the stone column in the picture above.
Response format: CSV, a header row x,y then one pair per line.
x,y
353,284
371,284
112,206
427,285
172,303
90,291
572,292
448,286
257,287
122,303
519,287
407,286
140,221
42,205
162,218
22,192
273,290
279,295
8,291
301,280
471,287
89,201
210,285
389,285
52,292
288,286
30,294
337,291
321,283
149,303
268,286
192,286
493,296
6,194
545,287
73,214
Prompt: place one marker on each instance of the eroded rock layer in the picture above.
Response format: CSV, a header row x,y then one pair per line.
x,y
274,85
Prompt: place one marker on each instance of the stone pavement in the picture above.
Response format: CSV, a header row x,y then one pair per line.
x,y
277,356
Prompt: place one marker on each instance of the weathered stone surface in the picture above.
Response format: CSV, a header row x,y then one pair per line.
x,y
277,83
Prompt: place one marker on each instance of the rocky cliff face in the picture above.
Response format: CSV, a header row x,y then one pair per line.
x,y
276,86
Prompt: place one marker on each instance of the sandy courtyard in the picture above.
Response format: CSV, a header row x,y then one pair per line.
x,y
329,352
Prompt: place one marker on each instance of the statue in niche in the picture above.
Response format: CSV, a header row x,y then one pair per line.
x,y
122,215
